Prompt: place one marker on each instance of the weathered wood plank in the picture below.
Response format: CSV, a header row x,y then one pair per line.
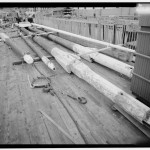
x,y
69,124
85,131
32,117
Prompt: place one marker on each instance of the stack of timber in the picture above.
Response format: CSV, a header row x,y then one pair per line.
x,y
90,55
72,64
18,50
71,121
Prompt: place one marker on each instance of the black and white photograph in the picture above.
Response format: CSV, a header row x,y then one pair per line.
x,y
74,74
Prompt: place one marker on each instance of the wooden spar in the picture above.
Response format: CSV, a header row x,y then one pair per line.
x,y
17,49
86,38
51,46
66,43
72,46
39,40
112,52
113,64
39,53
35,30
128,103
102,59
119,47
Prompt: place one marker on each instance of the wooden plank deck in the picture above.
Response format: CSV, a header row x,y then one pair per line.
x,y
91,123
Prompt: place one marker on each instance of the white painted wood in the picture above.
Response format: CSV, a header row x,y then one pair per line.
x,y
128,103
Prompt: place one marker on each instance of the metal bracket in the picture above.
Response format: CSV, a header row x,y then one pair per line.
x,y
32,85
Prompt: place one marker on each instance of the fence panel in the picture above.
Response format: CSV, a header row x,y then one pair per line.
x,y
117,32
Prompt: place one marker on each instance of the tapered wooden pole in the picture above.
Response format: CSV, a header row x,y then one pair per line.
x,y
128,103
17,49
39,53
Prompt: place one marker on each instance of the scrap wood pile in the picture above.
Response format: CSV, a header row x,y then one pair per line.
x,y
72,63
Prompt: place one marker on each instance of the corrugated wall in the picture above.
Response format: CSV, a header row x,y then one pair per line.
x,y
140,83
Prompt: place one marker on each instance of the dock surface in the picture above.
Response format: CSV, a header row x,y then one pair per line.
x,y
91,123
